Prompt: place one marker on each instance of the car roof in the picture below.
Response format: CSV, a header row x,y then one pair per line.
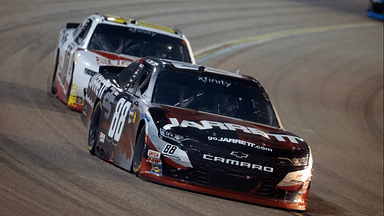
x,y
164,64
117,20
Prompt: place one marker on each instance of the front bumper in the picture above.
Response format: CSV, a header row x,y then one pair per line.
x,y
215,180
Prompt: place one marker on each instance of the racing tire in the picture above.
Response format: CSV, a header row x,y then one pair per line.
x,y
53,84
140,151
93,133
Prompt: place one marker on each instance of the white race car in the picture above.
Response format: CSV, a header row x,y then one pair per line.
x,y
104,40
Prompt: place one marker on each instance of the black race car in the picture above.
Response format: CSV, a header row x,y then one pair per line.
x,y
376,9
197,128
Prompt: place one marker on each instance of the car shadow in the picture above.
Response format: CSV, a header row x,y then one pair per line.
x,y
16,94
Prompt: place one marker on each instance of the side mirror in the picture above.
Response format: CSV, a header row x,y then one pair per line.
x,y
72,25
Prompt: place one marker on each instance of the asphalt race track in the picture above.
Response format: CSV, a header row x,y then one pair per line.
x,y
320,61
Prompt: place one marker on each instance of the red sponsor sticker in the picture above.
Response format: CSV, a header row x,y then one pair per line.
x,y
154,160
153,154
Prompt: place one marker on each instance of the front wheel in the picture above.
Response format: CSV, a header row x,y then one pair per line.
x,y
140,150
93,133
53,84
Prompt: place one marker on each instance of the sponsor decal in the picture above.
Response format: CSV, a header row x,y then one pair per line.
x,y
75,101
155,26
153,157
151,62
99,84
239,154
237,163
153,154
214,81
89,101
101,137
207,125
107,101
147,118
171,135
142,31
115,62
240,142
153,160
132,116
157,169
111,59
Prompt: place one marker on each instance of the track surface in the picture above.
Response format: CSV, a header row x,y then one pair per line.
x,y
327,87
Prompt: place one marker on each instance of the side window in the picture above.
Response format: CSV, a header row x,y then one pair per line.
x,y
84,31
127,76
142,82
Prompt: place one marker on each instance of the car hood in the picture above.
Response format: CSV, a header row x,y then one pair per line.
x,y
216,133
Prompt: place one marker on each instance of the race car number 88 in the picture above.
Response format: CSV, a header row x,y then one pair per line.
x,y
118,119
169,149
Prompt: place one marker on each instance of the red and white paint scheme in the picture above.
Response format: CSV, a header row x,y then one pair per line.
x,y
105,40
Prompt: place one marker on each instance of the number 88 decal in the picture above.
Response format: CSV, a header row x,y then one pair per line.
x,y
118,120
169,149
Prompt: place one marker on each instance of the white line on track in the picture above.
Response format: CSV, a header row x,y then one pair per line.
x,y
219,49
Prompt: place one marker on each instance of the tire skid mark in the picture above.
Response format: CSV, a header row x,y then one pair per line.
x,y
369,117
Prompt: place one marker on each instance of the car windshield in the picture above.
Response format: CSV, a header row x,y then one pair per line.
x,y
214,94
138,42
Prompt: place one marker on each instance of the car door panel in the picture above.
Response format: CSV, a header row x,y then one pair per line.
x,y
116,127
121,116
67,57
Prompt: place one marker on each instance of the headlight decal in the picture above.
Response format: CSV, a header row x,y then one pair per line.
x,y
297,161
294,180
179,156
169,151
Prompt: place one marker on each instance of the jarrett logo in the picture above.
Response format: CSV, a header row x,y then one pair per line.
x,y
208,125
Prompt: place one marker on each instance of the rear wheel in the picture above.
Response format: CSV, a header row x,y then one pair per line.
x,y
93,133
53,84
140,150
